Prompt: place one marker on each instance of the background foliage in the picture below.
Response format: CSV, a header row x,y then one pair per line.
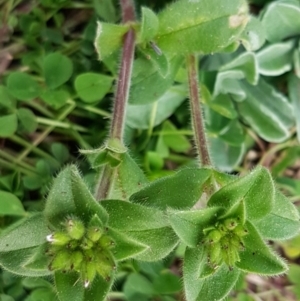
x,y
55,97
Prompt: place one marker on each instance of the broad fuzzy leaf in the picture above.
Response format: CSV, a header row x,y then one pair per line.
x,y
69,195
160,242
69,288
189,225
212,288
152,114
125,247
206,26
256,190
148,84
16,262
130,217
258,257
282,222
164,192
130,178
147,227
149,25
30,232
109,38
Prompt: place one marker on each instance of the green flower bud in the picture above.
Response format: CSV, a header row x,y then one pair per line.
x,y
230,223
214,236
59,239
94,233
240,231
88,273
75,228
106,242
86,244
61,261
215,254
76,260
104,265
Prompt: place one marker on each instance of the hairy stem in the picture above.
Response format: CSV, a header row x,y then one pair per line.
x,y
106,180
196,111
123,83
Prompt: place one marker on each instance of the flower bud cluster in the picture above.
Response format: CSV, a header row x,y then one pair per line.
x,y
224,241
86,250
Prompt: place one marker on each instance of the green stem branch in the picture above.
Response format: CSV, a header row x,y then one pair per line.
x,y
121,98
196,111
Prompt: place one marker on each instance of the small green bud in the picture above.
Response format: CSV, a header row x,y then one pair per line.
x,y
230,223
214,236
214,254
60,261
88,273
106,242
58,238
240,231
86,244
75,228
104,265
94,233
76,260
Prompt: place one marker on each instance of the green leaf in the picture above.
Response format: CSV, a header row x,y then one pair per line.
x,y
27,233
147,84
149,25
282,222
150,115
294,93
160,242
8,125
164,193
92,87
174,140
212,288
159,61
286,15
225,156
22,86
15,262
243,66
246,64
130,178
276,59
206,26
10,204
58,69
253,36
60,152
189,225
106,10
125,247
130,217
5,98
109,38
258,257
269,113
56,98
255,190
69,288
27,119
70,195
167,283
138,284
